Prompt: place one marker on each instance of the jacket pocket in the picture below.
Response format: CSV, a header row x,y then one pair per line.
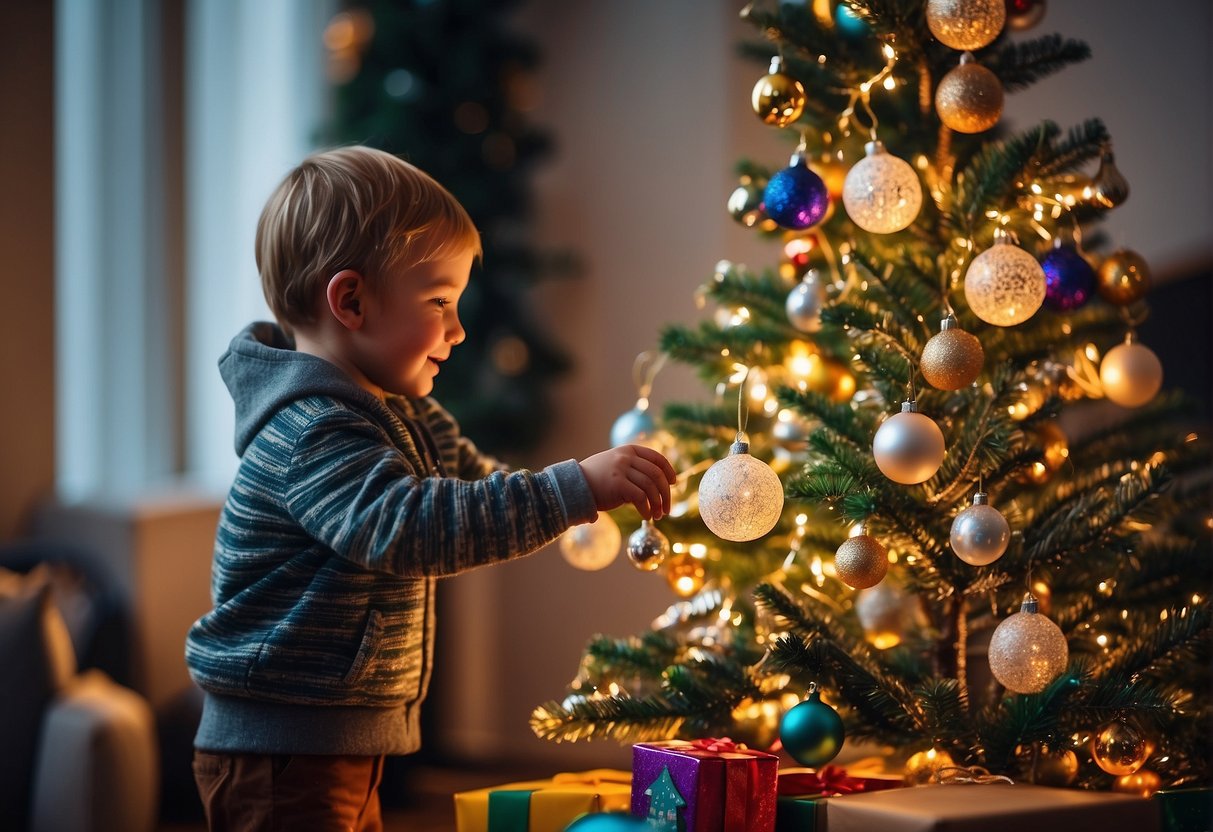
x,y
367,649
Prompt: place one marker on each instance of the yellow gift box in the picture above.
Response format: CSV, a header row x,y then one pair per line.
x,y
545,805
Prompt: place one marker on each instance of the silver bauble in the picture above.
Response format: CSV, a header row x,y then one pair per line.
x,y
745,203
980,533
636,426
908,447
1027,650
592,546
805,301
1131,374
790,432
881,192
647,547
740,497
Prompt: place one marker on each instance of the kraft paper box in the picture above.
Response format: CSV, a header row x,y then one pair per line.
x,y
705,785
989,808
543,805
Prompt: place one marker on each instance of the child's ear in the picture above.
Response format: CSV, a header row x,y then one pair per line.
x,y
346,295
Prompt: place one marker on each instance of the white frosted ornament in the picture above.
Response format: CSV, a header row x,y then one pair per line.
x,y
740,497
1004,285
881,192
966,24
592,546
980,533
1131,374
1027,650
908,446
804,302
647,547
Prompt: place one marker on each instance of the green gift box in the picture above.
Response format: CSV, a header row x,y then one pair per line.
x,y
1185,810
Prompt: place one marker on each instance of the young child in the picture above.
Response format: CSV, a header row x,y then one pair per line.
x,y
355,492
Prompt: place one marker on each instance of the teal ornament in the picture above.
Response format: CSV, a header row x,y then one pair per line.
x,y
850,25
812,732
634,427
608,822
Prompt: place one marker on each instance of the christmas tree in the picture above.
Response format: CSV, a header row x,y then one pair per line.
x,y
899,498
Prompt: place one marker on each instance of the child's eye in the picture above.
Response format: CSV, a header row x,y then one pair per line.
x,y
442,302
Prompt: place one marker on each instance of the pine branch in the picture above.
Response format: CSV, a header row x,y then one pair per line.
x,y
1080,145
1181,637
855,425
1023,719
620,718
1019,64
648,655
993,174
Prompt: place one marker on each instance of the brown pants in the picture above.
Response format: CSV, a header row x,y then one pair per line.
x,y
285,793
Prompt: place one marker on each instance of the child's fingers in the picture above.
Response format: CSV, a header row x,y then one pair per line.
x,y
649,489
659,460
657,477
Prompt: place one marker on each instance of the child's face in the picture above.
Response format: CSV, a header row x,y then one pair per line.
x,y
412,323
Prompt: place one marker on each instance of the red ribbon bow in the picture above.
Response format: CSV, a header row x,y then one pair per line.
x,y
830,780
721,745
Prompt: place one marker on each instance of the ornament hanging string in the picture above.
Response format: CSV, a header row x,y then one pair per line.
x,y
955,775
644,372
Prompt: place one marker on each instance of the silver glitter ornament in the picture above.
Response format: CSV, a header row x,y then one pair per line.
x,y
980,533
908,446
1004,285
740,497
1027,650
647,547
805,301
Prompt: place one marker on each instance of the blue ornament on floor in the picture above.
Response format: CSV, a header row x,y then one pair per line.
x,y
795,197
812,732
1069,278
608,822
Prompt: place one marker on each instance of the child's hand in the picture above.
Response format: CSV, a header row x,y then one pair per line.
x,y
631,474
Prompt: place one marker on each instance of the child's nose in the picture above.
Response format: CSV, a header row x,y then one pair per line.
x,y
455,333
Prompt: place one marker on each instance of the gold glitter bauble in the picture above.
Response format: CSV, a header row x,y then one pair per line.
x,y
969,98
861,561
1142,782
686,574
1123,278
952,359
966,24
778,98
1046,767
921,768
1027,650
1119,749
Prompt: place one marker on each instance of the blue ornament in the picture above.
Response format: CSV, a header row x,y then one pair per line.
x,y
796,197
850,25
1069,278
608,822
812,732
634,427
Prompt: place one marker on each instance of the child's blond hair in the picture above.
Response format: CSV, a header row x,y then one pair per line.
x,y
352,208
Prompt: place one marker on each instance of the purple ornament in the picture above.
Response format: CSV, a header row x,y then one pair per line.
x,y
795,197
1069,278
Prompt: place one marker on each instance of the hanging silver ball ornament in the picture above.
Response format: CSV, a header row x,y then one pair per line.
x,y
740,497
635,427
1131,374
804,302
790,432
969,98
908,447
1027,650
592,546
647,547
966,24
861,561
980,533
1119,748
745,203
1004,285
1109,187
881,192
953,358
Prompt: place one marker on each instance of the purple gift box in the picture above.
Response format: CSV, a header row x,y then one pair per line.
x,y
713,785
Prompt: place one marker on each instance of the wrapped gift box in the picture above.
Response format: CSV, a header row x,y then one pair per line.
x,y
543,805
801,790
704,786
1186,810
988,808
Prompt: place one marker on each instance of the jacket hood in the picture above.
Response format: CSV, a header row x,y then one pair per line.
x,y
264,373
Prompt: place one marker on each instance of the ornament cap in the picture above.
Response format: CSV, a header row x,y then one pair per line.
x,y
981,498
909,406
874,148
948,322
1030,604
966,57
1003,237
739,446
776,65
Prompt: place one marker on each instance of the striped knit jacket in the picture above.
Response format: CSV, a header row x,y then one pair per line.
x,y
344,511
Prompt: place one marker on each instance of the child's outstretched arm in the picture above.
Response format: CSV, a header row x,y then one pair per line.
x,y
630,474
